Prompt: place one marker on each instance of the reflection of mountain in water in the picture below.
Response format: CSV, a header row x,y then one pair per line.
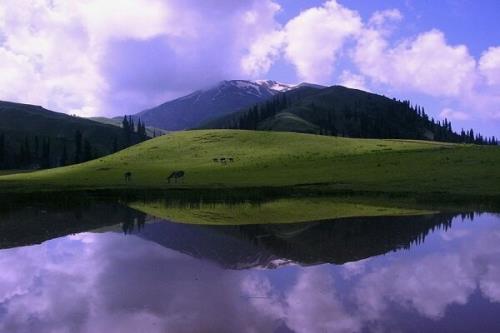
x,y
235,247
310,243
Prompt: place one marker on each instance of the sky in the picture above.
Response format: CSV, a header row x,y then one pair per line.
x,y
109,58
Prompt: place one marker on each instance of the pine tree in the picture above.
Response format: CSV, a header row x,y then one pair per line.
x,y
2,150
27,152
115,145
78,147
46,153
64,156
87,151
36,152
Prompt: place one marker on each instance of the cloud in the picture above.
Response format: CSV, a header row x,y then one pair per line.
x,y
315,37
451,114
311,42
98,57
379,18
489,65
352,80
424,64
111,58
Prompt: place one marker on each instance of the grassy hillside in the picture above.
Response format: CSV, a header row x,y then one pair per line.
x,y
281,159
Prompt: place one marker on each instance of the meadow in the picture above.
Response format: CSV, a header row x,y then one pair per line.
x,y
279,159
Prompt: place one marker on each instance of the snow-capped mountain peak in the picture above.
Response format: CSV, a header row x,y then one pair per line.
x,y
223,98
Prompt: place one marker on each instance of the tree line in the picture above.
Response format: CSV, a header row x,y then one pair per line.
x,y
361,119
43,152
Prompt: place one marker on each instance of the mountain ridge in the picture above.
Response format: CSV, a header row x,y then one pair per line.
x,y
222,98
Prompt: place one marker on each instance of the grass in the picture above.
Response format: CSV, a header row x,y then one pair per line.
x,y
289,210
276,159
13,171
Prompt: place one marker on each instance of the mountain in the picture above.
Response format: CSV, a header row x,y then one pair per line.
x,y
342,111
33,137
226,97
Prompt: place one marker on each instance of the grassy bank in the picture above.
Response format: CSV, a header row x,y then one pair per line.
x,y
281,159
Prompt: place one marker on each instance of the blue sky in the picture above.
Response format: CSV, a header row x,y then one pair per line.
x,y
110,58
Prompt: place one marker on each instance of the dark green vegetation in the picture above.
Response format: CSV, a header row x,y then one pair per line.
x,y
283,160
150,131
32,137
341,111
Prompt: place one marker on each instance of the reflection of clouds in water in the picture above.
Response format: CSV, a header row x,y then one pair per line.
x,y
355,268
428,285
119,284
313,305
108,282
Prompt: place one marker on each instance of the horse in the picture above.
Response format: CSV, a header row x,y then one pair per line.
x,y
215,160
175,175
128,176
223,160
231,160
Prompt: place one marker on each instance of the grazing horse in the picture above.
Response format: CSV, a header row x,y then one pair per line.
x,y
215,160
231,159
175,175
223,160
128,176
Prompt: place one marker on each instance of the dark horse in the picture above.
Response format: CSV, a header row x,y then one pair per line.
x,y
175,175
128,176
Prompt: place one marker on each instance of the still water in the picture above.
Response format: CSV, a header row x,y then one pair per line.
x,y
108,268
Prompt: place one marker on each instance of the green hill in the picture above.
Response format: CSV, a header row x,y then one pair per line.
x,y
280,159
33,137
344,112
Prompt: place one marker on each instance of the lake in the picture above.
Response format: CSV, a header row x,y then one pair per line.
x,y
104,267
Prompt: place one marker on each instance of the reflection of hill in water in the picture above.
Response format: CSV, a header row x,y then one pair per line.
x,y
35,223
310,243
235,247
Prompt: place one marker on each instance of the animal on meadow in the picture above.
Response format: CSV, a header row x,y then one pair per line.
x,y
215,160
175,175
128,176
231,159
223,160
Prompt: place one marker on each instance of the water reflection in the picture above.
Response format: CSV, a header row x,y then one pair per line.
x,y
439,273
272,245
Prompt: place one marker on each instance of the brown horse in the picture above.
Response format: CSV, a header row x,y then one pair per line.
x,y
128,176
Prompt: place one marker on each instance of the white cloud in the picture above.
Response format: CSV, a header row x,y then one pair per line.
x,y
315,37
451,114
380,17
352,80
110,57
96,57
425,64
489,65
311,41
